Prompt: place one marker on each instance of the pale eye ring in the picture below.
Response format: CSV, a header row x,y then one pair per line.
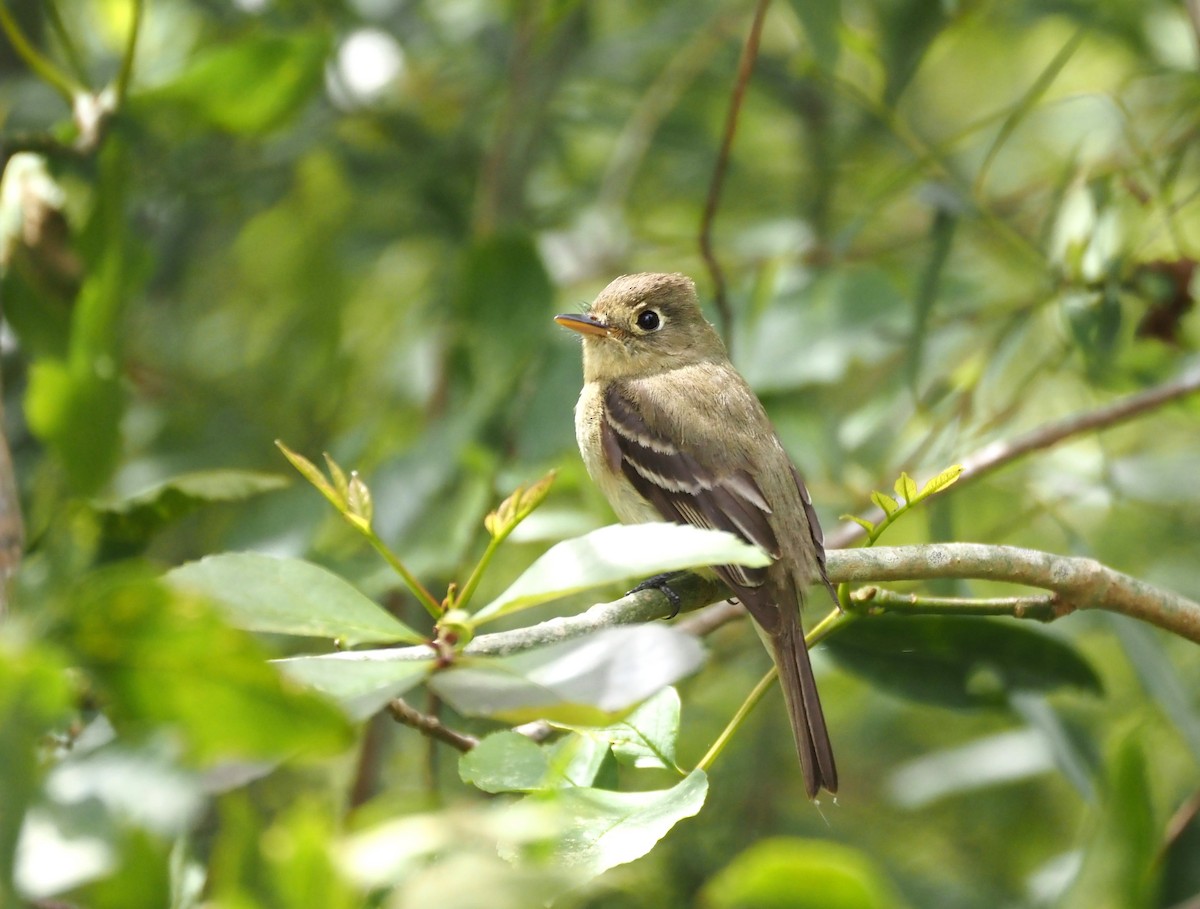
x,y
649,320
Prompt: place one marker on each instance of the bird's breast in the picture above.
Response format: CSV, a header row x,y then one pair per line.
x,y
628,504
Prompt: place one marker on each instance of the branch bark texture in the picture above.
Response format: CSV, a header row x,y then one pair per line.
x,y
1075,583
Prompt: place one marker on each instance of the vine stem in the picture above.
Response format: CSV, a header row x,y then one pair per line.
x,y
745,67
41,65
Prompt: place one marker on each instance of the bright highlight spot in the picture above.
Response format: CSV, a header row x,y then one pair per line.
x,y
369,60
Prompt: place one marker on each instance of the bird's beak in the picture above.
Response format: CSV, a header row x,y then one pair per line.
x,y
584,324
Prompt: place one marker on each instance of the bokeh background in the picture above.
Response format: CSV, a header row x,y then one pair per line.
x,y
347,224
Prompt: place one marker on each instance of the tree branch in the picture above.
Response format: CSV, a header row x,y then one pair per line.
x,y
995,455
1076,583
1079,583
405,713
745,67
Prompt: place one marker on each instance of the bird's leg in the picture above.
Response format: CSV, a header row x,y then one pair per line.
x,y
662,583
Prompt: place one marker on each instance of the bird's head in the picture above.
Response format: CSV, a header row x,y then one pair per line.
x,y
641,325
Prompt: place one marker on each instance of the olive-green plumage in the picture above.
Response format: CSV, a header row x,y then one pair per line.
x,y
668,429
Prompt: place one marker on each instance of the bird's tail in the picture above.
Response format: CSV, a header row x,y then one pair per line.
x,y
804,707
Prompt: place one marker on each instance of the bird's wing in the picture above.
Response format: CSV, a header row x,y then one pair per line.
x,y
818,536
683,487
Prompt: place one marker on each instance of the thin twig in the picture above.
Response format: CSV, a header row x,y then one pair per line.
x,y
997,454
431,726
745,67
879,600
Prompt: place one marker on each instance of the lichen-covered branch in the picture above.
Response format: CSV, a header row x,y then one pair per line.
x,y
1074,583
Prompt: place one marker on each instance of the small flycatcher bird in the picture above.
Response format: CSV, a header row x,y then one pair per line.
x,y
669,430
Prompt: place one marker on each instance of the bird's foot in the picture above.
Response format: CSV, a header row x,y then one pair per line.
x,y
662,583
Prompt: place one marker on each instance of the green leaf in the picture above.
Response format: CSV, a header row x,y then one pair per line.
x,y
647,737
518,506
1181,871
75,404
290,596
800,874
1120,862
946,478
504,762
312,473
161,658
616,553
77,413
279,858
362,681
611,828
133,520
821,22
958,662
35,700
868,526
248,85
580,759
338,476
587,680
906,488
889,505
504,292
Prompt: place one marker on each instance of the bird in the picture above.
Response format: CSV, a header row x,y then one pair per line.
x,y
669,430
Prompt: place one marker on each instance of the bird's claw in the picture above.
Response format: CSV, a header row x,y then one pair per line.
x,y
662,583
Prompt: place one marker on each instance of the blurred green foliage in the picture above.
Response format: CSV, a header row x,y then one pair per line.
x,y
347,223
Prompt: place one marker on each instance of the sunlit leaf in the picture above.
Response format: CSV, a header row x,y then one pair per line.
x,y
588,680
290,596
946,478
611,828
868,526
906,488
310,472
358,499
801,874
616,553
518,506
338,477
889,505
958,662
581,759
648,736
362,681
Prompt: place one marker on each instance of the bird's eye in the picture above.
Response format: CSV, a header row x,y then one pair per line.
x,y
648,320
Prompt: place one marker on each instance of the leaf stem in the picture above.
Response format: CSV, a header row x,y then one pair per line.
x,y
819,632
731,727
432,606
477,572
